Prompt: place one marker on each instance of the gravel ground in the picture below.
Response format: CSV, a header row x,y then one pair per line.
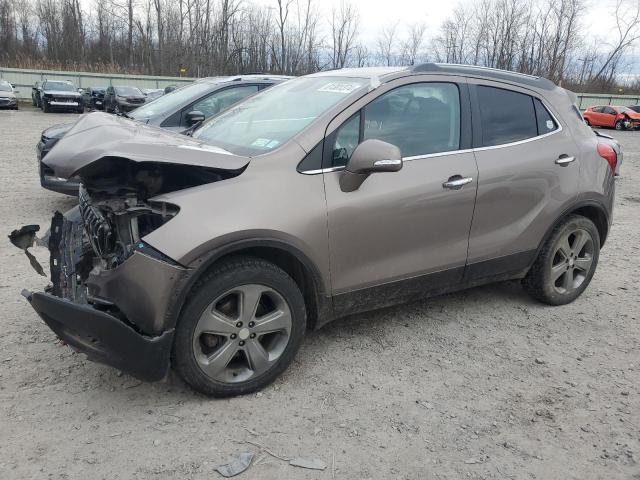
x,y
484,383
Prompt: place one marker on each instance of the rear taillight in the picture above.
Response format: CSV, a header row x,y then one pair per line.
x,y
609,154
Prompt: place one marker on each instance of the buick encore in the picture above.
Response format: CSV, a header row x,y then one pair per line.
x,y
331,194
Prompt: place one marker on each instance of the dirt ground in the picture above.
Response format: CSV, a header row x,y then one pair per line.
x,y
482,384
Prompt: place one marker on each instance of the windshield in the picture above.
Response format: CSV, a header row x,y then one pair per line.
x,y
170,101
128,91
60,86
626,110
5,87
270,118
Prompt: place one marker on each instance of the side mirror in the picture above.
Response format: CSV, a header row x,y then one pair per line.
x,y
195,116
371,156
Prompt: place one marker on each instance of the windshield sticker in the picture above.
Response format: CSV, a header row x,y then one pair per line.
x,y
339,87
264,143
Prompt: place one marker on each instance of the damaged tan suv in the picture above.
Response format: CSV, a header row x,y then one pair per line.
x,y
326,195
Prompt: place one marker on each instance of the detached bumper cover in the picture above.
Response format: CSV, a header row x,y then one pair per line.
x,y
105,338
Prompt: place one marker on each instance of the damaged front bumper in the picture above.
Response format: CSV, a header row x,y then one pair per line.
x,y
105,338
115,315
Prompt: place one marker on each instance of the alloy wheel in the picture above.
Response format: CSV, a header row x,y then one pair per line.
x,y
572,261
242,333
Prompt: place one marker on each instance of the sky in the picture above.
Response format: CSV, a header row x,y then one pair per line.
x,y
375,14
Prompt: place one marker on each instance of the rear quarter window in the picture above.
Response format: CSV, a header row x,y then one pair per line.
x,y
546,123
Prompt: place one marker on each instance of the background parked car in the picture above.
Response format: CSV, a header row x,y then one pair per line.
x,y
93,97
620,118
59,95
206,97
122,99
152,93
176,111
8,96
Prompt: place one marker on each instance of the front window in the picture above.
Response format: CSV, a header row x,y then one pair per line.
x,y
272,117
128,92
59,86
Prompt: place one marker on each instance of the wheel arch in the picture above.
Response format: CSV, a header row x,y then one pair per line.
x,y
286,256
591,209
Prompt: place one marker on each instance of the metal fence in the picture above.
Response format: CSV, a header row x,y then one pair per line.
x,y
24,79
586,100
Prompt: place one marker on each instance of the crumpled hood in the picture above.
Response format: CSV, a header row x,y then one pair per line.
x,y
98,135
62,93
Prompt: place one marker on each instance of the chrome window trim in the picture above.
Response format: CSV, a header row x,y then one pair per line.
x,y
322,170
520,142
437,154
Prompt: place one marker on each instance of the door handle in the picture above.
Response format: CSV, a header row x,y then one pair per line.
x,y
564,160
456,182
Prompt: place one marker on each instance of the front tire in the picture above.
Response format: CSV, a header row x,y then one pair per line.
x,y
240,329
620,125
45,107
566,264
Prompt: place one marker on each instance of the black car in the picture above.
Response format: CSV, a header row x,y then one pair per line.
x,y
93,98
176,111
59,95
35,94
123,99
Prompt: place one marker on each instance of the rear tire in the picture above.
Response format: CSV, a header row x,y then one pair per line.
x,y
566,264
223,345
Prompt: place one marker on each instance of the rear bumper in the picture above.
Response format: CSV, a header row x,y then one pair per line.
x,y
105,338
127,107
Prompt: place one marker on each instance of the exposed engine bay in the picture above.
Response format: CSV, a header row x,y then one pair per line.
x,y
114,213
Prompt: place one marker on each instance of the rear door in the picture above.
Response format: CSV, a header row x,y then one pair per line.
x,y
404,231
528,173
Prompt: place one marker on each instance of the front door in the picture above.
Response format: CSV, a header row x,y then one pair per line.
x,y
404,232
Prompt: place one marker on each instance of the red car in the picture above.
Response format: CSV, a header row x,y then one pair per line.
x,y
620,118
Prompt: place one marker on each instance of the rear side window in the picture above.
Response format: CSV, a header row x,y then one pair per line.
x,y
546,123
507,116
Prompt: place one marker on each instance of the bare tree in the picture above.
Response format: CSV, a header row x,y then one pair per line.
x,y
386,43
627,18
412,46
344,30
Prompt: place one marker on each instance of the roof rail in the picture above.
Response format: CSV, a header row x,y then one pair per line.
x,y
488,72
